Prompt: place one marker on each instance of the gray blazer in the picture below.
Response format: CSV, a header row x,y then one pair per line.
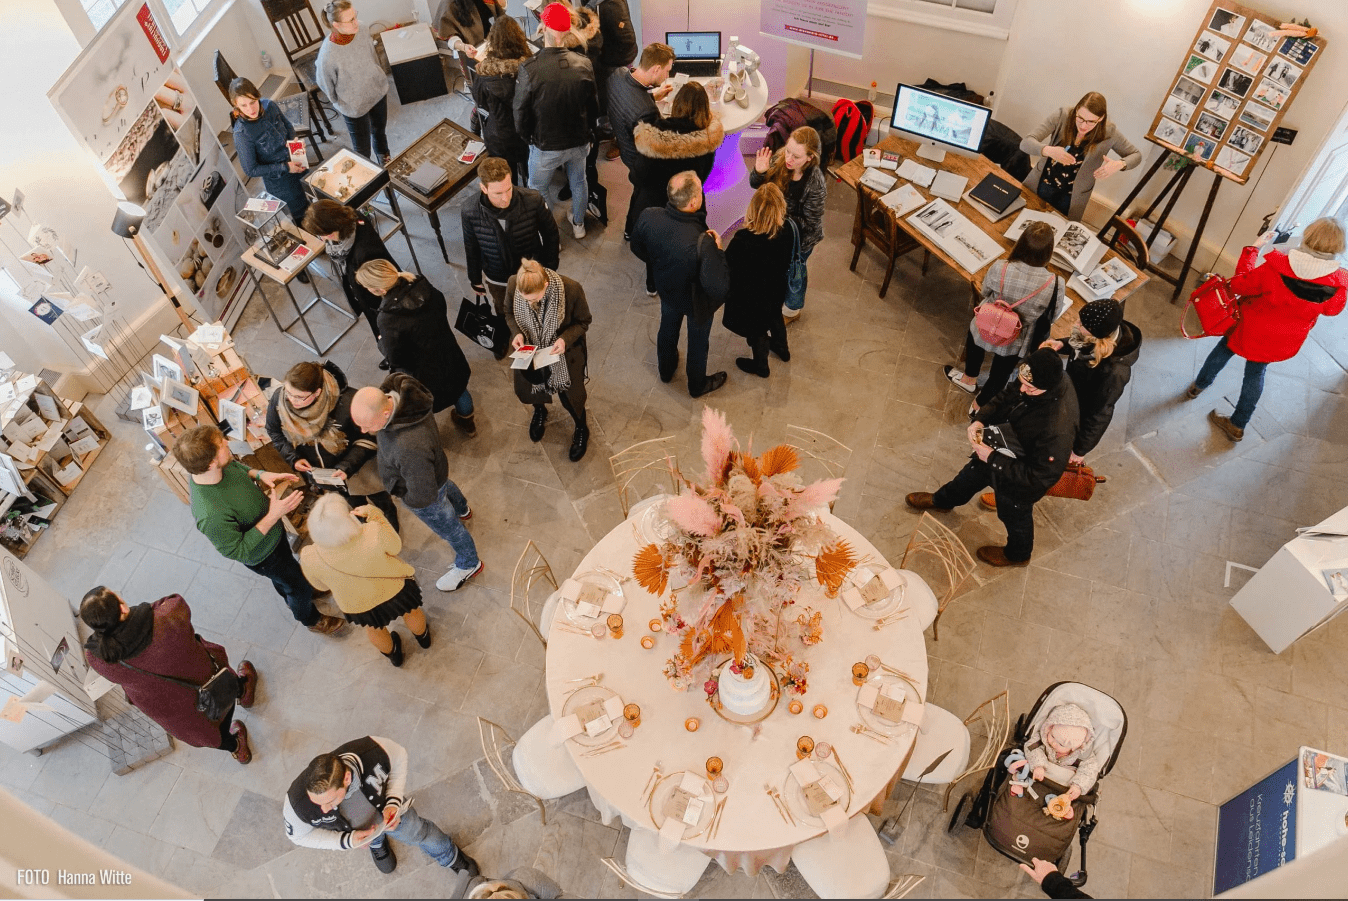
x,y
1034,143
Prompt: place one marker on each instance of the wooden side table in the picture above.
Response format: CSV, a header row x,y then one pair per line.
x,y
284,278
441,145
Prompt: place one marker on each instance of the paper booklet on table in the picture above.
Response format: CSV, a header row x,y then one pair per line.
x,y
591,600
1056,222
594,718
966,243
917,173
903,200
886,699
1078,249
879,180
949,186
1108,277
877,588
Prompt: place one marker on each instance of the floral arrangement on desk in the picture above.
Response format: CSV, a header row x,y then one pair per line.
x,y
745,540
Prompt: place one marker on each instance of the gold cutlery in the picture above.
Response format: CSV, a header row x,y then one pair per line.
x,y
716,818
596,678
602,749
842,766
862,729
781,811
776,793
650,783
575,630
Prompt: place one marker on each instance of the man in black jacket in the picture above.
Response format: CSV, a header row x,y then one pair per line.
x,y
620,43
631,101
1040,414
503,225
682,252
555,105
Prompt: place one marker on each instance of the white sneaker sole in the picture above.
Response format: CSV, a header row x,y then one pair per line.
x,y
442,585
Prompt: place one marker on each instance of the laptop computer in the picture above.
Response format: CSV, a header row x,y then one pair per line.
x,y
697,54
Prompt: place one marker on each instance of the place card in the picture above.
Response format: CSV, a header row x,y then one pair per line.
x,y
692,811
599,725
874,591
590,600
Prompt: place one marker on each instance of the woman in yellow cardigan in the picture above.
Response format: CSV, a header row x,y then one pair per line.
x,y
355,555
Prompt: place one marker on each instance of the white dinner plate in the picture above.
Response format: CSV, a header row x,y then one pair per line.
x,y
791,790
610,585
578,699
873,719
660,796
655,525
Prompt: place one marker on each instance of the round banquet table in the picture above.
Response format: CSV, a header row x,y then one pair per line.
x,y
752,833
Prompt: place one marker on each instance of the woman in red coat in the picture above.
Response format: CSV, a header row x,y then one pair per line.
x,y
135,646
1284,296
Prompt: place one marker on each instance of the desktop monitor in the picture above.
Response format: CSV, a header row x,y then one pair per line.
x,y
938,121
694,45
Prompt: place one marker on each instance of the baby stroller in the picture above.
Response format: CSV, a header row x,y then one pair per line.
x,y
1019,827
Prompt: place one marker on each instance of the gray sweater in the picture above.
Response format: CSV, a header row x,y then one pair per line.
x,y
350,75
1047,132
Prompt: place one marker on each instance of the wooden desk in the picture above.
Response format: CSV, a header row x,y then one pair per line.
x,y
441,146
975,168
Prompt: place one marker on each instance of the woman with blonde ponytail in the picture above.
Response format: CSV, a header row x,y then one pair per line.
x,y
416,337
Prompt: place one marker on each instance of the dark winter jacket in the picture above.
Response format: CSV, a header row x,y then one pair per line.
x,y
667,239
571,327
628,105
1056,885
412,462
587,29
378,768
806,210
494,94
175,651
670,146
368,246
530,233
1099,389
620,39
1281,308
758,266
1045,425
359,446
261,145
472,29
416,338
555,99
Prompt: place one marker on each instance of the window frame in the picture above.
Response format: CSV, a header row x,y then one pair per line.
x,y
996,24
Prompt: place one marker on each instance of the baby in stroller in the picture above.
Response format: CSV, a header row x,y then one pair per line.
x,y
1062,752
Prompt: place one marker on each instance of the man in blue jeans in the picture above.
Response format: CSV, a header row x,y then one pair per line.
x,y
355,797
400,413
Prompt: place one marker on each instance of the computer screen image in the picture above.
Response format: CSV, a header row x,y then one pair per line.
x,y
939,119
694,44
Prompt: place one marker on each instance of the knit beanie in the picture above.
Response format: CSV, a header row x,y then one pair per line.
x,y
1102,317
556,17
1045,369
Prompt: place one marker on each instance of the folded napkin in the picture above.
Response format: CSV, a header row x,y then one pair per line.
x,y
570,726
671,834
835,818
913,713
805,772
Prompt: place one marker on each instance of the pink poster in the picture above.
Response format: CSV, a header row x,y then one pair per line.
x,y
838,26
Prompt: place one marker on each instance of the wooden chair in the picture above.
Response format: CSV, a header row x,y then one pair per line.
x,y
495,739
875,223
530,569
653,459
629,880
822,456
904,885
1127,242
300,33
953,562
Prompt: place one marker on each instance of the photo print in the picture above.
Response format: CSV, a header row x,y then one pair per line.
x,y
46,310
152,417
1256,116
1271,94
1247,59
189,136
1200,69
1200,147
136,163
1178,109
175,101
1261,36
1189,90
1235,82
1232,160
1246,140
1221,104
1298,50
1226,22
1281,72
1211,126
1212,46
1169,132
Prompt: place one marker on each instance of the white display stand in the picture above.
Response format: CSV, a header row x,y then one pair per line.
x,y
1288,597
733,116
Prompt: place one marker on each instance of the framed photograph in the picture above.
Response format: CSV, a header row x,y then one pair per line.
x,y
1246,140
46,310
1200,147
1247,59
1169,132
234,418
149,382
1226,22
152,417
141,397
1211,126
1213,46
1178,109
1271,94
166,368
1189,90
1298,50
1261,36
1232,160
1221,104
1235,82
1256,116
1280,71
179,396
1200,69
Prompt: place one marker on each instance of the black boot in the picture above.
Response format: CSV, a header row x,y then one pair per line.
x,y
710,384
395,656
424,639
538,423
758,365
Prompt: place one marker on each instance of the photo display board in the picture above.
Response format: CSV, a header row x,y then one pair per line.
x,y
1234,84
124,98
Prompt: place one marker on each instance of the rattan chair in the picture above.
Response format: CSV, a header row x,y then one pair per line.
x,y
821,456
643,465
495,739
530,569
953,564
621,872
904,885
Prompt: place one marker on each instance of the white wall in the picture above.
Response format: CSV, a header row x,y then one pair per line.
x,y
1130,51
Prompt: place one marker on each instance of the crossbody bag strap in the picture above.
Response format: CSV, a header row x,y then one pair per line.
x,y
195,686
1052,279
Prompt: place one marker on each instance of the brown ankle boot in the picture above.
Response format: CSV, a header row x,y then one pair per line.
x,y
243,753
248,676
922,500
996,556
465,423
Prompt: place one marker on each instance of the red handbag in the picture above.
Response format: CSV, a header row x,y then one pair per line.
x,y
1217,307
1077,482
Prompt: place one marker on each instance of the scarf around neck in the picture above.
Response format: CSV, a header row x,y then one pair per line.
x,y
341,39
540,326
127,639
311,425
339,250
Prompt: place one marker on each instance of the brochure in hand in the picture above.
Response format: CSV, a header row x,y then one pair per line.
x,y
529,356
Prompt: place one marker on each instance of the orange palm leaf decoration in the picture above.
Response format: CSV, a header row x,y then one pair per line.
x,y
751,468
777,460
651,569
832,565
722,636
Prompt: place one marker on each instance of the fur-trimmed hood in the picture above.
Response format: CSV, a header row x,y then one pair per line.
x,y
589,23
667,144
490,66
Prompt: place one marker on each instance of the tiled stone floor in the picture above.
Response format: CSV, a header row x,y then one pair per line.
x,y
1125,592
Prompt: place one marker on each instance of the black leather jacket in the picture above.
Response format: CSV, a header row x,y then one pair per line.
x,y
555,100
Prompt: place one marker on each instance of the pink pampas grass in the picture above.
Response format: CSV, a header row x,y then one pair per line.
x,y
693,514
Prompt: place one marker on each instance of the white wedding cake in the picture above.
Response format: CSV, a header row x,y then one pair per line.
x,y
741,696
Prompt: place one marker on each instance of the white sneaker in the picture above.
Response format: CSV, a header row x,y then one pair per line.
x,y
578,230
451,580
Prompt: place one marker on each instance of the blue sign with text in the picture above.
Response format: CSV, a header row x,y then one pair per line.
x,y
1256,830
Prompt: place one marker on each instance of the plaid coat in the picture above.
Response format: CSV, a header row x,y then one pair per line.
x,y
1021,281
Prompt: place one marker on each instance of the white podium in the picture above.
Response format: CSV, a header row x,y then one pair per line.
x,y
1289,597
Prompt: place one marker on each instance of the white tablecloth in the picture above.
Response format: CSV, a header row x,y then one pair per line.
x,y
752,834
734,117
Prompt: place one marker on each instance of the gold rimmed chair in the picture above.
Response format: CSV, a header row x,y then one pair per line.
x,y
543,769
646,464
943,731
531,569
664,874
904,885
934,555
628,879
821,456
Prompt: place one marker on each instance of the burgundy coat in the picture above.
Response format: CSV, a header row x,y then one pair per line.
x,y
174,651
1274,322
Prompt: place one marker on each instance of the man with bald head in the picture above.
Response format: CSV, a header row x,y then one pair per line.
x,y
400,414
681,253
